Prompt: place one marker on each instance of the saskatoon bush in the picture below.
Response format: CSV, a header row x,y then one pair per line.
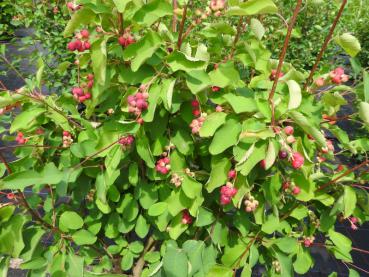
x,y
182,149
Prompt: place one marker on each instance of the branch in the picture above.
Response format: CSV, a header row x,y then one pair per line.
x,y
282,57
174,23
181,27
325,44
237,37
137,270
343,175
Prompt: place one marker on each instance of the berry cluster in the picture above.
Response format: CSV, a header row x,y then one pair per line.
x,y
277,266
308,241
217,6
20,138
73,6
251,203
189,172
176,180
295,190
80,94
127,38
138,102
289,130
186,217
195,108
163,165
273,74
196,124
126,141
67,139
227,192
338,76
81,42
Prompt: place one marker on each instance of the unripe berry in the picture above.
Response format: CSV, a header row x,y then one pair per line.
x,y
289,130
344,78
291,139
218,109
319,82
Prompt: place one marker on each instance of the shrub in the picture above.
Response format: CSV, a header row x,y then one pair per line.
x,y
181,149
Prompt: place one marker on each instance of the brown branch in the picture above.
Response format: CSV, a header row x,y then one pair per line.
x,y
325,44
120,23
236,38
355,266
347,172
282,57
137,270
181,27
174,22
244,253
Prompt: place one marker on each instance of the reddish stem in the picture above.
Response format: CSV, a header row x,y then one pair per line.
x,y
282,57
325,44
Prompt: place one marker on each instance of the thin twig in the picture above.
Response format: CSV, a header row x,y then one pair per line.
x,y
181,27
282,57
325,44
137,270
174,22
347,172
237,37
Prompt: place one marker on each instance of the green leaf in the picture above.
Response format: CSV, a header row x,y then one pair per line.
x,y
152,11
183,141
24,119
252,7
35,263
366,86
175,262
287,245
19,180
11,237
304,123
154,94
303,261
241,104
295,94
257,28
176,227
270,224
80,17
195,250
142,50
197,81
349,201
179,61
204,217
142,227
70,220
84,237
98,59
349,43
220,271
136,247
121,4
364,112
127,261
220,166
167,93
252,158
272,153
6,213
158,209
225,137
144,151
226,75
341,241
191,187
212,123
75,265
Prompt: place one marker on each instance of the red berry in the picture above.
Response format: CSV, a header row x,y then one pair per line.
x,y
87,96
196,113
339,71
283,154
286,185
215,88
10,196
71,46
140,121
186,217
86,45
263,164
224,200
195,103
66,134
340,168
122,41
336,79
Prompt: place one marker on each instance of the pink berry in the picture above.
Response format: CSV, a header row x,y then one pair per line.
x,y
86,45
85,33
90,77
339,71
122,41
286,185
289,130
77,91
218,109
88,95
297,160
232,174
308,242
225,200
140,121
70,6
296,190
215,88
145,95
354,220
319,82
66,134
336,79
90,84
71,46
